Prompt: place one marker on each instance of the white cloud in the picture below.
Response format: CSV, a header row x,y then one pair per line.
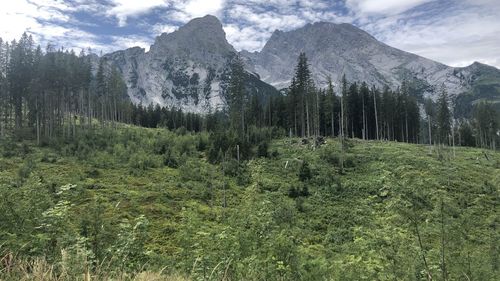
x,y
456,33
124,42
123,9
250,23
385,7
245,38
185,10
198,8
159,28
19,16
458,38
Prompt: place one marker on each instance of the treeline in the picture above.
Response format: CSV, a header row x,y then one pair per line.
x,y
353,110
170,118
357,110
54,93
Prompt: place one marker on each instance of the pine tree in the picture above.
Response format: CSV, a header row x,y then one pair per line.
x,y
302,92
443,117
237,96
375,94
330,94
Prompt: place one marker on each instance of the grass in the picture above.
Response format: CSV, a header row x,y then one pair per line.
x,y
344,229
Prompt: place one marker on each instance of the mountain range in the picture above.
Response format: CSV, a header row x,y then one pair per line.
x,y
190,67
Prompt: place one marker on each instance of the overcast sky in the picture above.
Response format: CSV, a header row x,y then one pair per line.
x,y
455,32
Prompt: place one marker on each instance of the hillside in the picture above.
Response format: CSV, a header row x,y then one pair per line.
x,y
149,199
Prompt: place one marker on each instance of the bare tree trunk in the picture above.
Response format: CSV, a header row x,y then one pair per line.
x,y
341,117
430,132
317,114
307,117
443,262
37,123
422,252
376,115
406,123
333,124
364,118
453,138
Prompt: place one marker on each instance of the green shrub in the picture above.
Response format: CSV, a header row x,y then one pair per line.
x,y
191,170
298,191
92,173
140,161
262,149
330,156
103,160
26,169
305,172
185,145
171,159
9,148
48,158
349,161
202,142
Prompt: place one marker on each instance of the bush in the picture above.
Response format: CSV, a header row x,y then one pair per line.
x,y
103,160
298,191
305,173
26,169
227,143
349,161
328,155
92,173
185,145
141,161
48,158
275,154
231,167
191,170
171,159
262,150
9,149
237,170
202,142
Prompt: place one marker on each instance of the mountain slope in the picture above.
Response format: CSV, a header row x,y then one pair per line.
x,y
337,49
262,219
187,69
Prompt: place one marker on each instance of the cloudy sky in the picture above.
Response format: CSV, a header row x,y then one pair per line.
x,y
455,32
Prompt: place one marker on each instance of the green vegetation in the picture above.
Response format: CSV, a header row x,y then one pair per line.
x,y
226,196
120,202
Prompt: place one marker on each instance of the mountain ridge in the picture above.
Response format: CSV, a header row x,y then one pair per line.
x,y
188,69
170,73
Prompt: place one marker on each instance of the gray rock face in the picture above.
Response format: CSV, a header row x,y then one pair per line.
x,y
337,49
187,69
190,68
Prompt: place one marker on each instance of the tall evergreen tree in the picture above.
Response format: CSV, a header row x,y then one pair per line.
x,y
443,117
302,90
237,96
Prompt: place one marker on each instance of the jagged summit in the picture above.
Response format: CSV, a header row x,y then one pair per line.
x,y
189,68
201,38
337,49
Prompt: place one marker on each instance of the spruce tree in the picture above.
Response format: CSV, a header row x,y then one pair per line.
x,y
237,96
302,89
443,117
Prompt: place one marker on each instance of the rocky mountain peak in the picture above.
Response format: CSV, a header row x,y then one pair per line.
x,y
189,68
201,37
